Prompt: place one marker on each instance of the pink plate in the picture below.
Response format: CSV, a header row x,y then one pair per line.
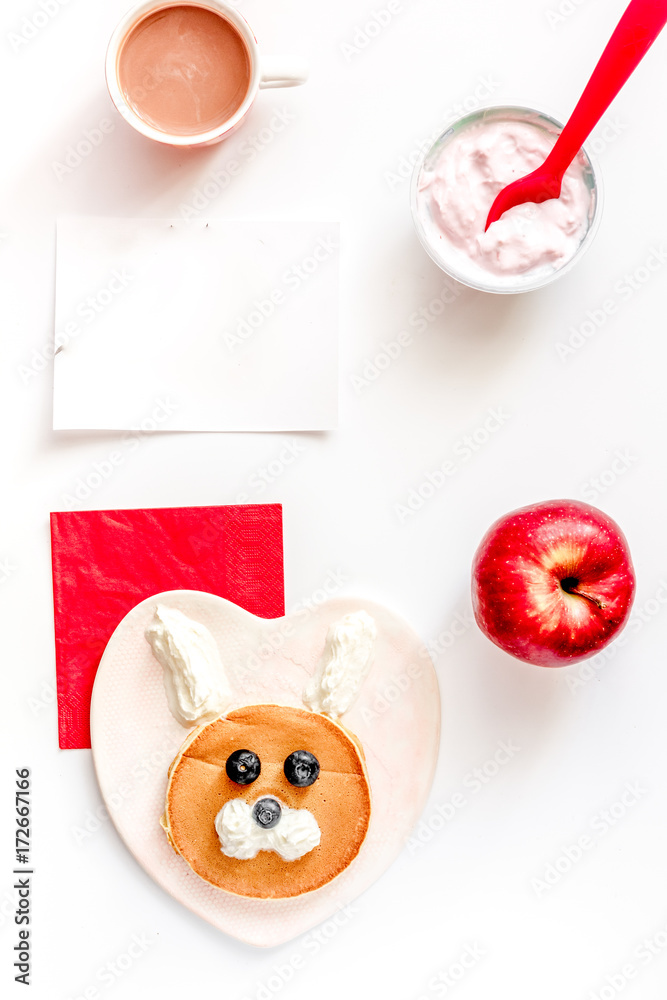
x,y
135,738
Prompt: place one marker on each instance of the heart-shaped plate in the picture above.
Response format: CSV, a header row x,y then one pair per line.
x,y
135,738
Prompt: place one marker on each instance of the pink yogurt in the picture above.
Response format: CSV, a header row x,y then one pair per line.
x,y
458,180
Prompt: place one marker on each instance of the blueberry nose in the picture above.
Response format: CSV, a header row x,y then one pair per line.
x,y
266,812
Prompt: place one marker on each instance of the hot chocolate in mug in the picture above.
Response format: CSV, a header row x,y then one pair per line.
x,y
188,73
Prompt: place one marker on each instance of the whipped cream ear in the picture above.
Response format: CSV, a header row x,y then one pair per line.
x,y
345,662
296,833
194,676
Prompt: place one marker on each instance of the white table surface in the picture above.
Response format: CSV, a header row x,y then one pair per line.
x,y
466,902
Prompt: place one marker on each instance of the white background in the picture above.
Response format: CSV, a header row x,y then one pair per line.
x,y
472,884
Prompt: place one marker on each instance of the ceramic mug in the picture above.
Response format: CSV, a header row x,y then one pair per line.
x,y
187,73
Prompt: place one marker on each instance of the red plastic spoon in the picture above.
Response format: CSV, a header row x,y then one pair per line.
x,y
634,35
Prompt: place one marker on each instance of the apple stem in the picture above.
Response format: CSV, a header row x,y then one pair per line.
x,y
572,589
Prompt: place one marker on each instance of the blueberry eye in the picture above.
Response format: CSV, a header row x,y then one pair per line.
x,y
243,767
302,768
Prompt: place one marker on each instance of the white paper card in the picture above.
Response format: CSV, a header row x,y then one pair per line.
x,y
229,325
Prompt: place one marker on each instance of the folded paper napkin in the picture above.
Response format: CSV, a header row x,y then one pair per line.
x,y
106,561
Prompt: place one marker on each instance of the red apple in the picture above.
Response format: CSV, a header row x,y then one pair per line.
x,y
553,583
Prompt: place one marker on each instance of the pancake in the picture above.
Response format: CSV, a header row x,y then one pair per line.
x,y
339,799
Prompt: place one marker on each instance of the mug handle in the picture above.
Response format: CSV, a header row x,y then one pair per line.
x,y
282,71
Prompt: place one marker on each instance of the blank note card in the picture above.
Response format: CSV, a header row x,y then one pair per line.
x,y
233,325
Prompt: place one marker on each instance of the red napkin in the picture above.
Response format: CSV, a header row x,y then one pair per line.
x,y
106,561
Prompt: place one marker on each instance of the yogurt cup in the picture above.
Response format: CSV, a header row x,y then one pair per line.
x,y
456,180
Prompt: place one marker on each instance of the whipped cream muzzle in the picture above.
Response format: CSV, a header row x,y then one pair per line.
x,y
266,825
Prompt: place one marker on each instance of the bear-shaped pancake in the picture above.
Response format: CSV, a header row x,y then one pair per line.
x,y
337,799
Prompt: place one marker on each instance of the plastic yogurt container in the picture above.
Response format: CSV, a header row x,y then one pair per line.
x,y
456,180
